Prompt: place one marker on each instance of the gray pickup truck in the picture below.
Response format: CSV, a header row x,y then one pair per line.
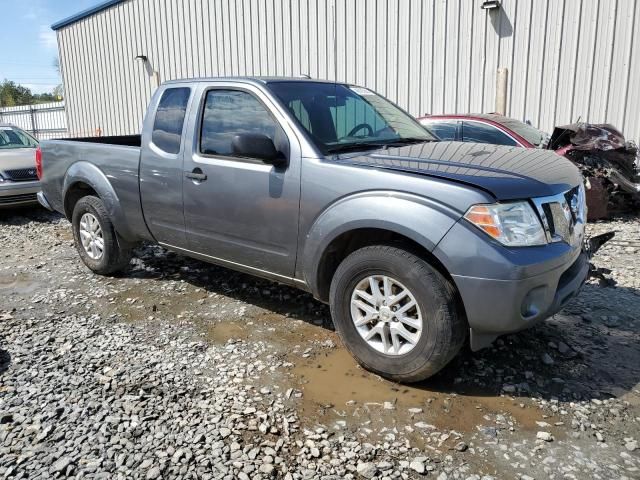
x,y
331,188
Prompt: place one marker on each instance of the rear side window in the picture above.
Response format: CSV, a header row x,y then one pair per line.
x,y
443,130
482,133
228,113
167,126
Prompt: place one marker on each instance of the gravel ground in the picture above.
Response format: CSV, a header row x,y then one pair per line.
x,y
179,369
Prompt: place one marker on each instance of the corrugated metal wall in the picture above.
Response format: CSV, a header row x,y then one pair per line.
x,y
567,59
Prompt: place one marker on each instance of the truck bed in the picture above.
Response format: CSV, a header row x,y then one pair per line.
x,y
110,163
124,140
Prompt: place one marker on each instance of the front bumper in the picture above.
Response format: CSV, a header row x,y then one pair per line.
x,y
495,307
506,290
14,194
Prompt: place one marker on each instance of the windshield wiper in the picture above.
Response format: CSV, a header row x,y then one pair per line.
x,y
407,141
379,144
353,146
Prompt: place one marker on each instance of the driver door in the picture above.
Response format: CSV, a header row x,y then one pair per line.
x,y
241,211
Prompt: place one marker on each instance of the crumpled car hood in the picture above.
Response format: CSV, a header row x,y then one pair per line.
x,y
506,172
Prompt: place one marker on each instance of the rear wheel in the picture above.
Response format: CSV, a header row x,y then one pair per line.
x,y
95,238
397,315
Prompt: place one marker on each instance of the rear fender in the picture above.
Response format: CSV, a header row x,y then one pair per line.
x,y
88,174
420,219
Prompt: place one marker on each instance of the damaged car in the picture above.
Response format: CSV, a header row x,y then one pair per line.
x,y
608,162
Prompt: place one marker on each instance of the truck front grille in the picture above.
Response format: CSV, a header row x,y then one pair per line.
x,y
21,174
563,216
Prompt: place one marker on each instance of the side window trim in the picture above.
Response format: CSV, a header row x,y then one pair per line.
x,y
200,122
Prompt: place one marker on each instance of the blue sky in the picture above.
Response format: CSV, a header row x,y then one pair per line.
x,y
27,42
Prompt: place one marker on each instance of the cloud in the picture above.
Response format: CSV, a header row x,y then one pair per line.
x,y
48,38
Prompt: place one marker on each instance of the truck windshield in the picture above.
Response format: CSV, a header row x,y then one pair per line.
x,y
341,118
12,137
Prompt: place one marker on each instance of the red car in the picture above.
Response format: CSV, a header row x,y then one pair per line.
x,y
484,128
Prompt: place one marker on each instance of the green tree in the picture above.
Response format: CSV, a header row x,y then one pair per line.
x,y
12,94
44,98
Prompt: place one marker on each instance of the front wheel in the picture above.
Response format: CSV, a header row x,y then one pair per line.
x,y
396,314
96,240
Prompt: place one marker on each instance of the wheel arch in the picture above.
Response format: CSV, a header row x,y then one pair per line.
x,y
416,223
84,178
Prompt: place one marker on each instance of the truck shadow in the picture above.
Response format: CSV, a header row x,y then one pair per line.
x,y
588,350
158,263
27,214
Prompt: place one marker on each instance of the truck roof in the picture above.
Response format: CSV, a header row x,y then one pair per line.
x,y
253,79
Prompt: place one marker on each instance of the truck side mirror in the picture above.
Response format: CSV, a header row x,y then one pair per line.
x,y
257,145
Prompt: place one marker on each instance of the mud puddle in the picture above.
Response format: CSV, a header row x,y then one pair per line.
x,y
339,394
18,284
137,303
283,333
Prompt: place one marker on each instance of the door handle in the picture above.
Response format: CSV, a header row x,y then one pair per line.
x,y
196,174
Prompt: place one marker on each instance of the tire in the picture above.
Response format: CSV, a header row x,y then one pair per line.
x,y
443,323
115,253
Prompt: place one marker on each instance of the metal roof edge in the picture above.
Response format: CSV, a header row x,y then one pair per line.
x,y
84,14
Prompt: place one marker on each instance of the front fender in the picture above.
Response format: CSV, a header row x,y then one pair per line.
x,y
89,174
421,219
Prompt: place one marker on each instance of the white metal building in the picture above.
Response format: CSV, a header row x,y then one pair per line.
x,y
566,59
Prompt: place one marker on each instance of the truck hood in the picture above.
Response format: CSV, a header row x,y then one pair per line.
x,y
508,173
17,158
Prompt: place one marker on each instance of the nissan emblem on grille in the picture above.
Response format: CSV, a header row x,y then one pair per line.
x,y
574,204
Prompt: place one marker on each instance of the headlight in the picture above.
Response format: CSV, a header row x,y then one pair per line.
x,y
513,224
1,179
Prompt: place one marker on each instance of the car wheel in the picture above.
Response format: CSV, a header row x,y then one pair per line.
x,y
396,314
95,238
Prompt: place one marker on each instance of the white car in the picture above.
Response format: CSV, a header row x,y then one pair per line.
x,y
19,182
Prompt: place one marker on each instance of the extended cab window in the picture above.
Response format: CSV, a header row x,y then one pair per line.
x,y
167,126
482,133
228,113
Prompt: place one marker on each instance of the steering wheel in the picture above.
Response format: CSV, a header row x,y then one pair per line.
x,y
359,127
